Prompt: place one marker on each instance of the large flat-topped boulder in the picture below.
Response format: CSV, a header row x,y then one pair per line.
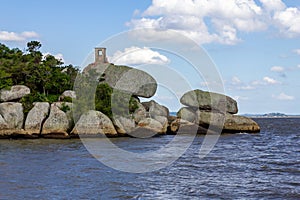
x,y
209,101
228,122
236,123
15,92
133,81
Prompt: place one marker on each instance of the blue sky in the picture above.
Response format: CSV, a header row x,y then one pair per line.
x,y
255,45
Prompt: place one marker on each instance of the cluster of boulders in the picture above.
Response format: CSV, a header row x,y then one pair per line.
x,y
56,120
204,113
212,112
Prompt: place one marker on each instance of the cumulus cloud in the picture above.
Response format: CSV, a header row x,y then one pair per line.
x,y
280,70
284,97
273,5
288,21
216,20
269,80
277,69
297,51
265,81
236,83
13,36
58,56
235,80
137,56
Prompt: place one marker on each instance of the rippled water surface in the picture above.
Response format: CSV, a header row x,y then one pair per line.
x,y
242,166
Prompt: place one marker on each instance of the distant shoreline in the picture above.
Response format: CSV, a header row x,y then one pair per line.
x,y
276,117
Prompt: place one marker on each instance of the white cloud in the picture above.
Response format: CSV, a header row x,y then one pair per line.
x,y
273,5
269,80
216,20
235,80
277,69
236,83
58,56
283,96
12,36
136,56
297,51
265,81
288,21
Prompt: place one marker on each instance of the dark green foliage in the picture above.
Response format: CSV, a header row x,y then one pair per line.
x,y
41,74
28,100
46,77
113,102
52,98
65,108
67,99
103,99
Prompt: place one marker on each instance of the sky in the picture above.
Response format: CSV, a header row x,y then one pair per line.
x,y
254,45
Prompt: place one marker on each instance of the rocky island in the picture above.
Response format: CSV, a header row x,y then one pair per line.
x,y
23,118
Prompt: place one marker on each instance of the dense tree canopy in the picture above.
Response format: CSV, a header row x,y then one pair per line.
x,y
47,78
42,74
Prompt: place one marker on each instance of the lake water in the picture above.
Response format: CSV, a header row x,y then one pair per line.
x,y
242,166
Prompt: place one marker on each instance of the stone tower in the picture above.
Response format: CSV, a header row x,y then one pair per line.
x,y
100,55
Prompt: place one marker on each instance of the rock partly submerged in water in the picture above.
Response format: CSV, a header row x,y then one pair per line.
x,y
213,121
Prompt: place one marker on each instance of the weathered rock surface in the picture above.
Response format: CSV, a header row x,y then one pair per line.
x,y
209,101
13,115
15,92
3,124
151,125
67,94
36,117
140,113
94,123
236,124
164,122
187,114
183,126
130,80
4,128
229,123
156,109
213,119
11,119
124,125
58,123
